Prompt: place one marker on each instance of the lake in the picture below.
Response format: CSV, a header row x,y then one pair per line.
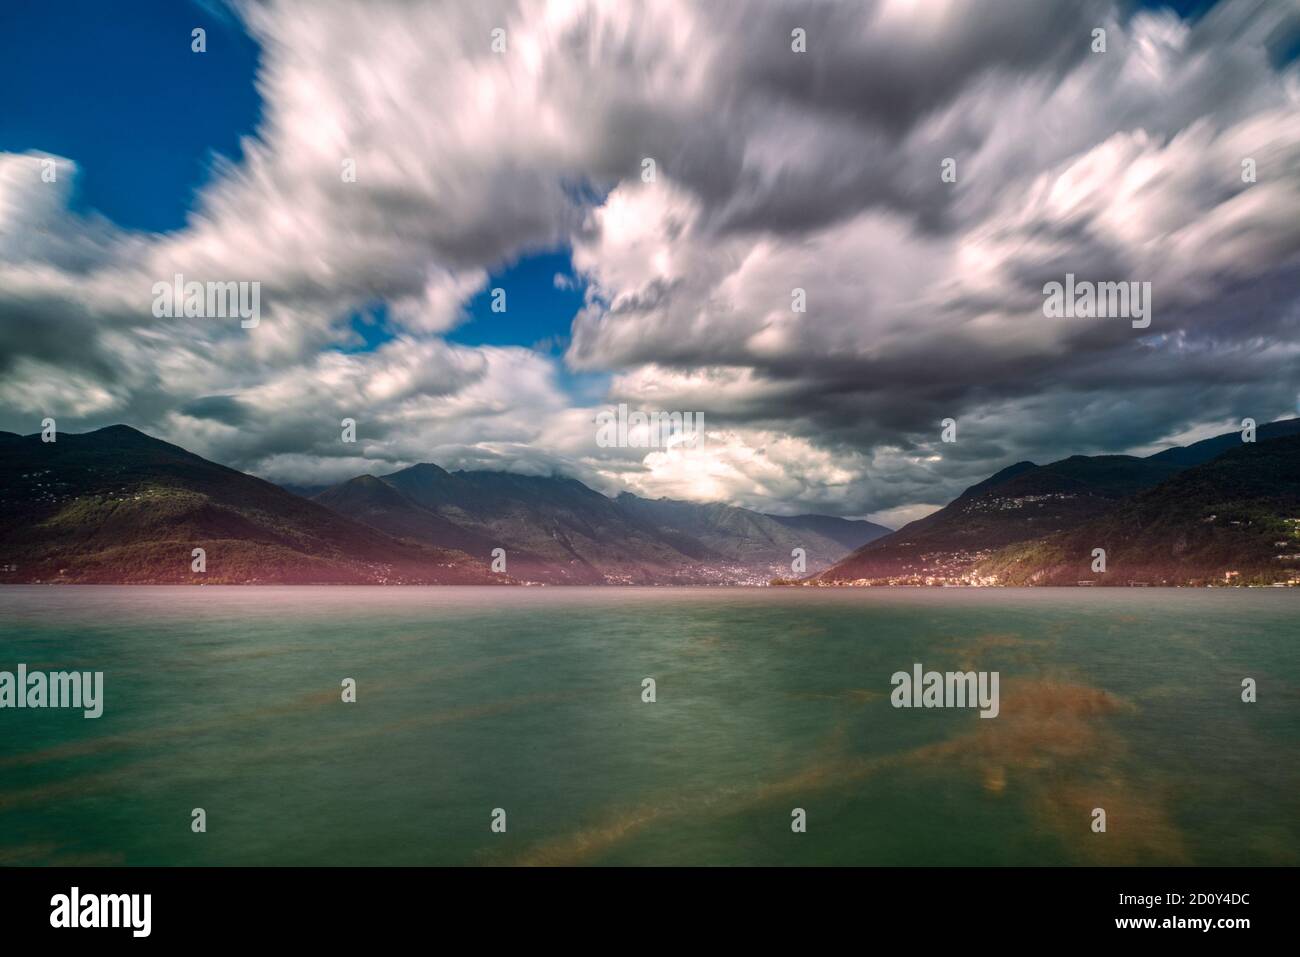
x,y
529,701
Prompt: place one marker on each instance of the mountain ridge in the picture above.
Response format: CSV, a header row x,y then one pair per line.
x,y
117,505
1020,504
1232,518
556,529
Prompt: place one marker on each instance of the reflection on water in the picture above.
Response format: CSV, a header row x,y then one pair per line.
x,y
767,700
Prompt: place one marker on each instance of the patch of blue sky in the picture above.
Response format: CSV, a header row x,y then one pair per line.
x,y
116,88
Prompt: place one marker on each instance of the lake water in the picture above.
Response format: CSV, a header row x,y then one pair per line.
x,y
530,700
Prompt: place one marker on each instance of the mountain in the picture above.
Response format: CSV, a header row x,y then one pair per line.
x,y
1198,452
1021,502
740,537
848,533
1235,518
303,491
377,503
116,505
553,529
997,530
558,530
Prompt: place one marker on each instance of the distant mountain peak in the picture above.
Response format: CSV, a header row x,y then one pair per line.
x,y
419,470
118,433
1000,476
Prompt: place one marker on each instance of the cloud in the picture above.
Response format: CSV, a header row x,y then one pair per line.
x,y
401,161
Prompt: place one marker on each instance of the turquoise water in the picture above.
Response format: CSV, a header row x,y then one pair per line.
x,y
529,700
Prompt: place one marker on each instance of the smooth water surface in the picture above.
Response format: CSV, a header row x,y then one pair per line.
x,y
530,700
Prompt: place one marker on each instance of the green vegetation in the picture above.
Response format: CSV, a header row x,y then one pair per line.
x,y
118,506
1200,527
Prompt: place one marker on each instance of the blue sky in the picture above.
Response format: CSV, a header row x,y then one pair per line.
x,y
115,88
537,314
538,311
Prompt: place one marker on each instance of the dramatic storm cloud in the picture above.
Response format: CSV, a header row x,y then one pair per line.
x,y
407,153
